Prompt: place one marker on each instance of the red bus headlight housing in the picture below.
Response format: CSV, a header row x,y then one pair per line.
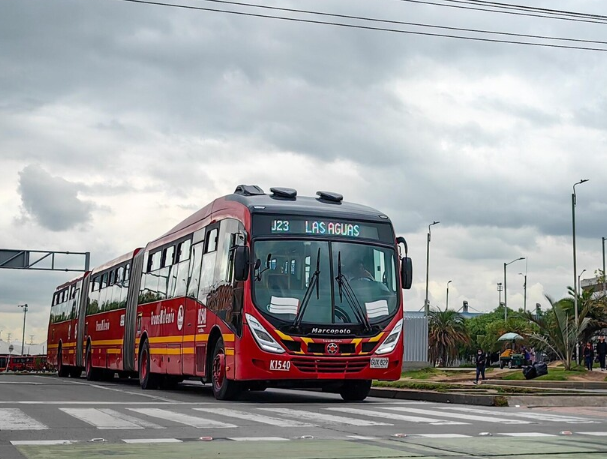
x,y
263,338
392,340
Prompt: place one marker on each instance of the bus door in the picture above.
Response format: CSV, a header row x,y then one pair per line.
x,y
191,338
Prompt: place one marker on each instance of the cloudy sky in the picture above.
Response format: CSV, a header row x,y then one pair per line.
x,y
119,119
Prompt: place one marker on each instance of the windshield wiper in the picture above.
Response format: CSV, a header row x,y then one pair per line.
x,y
308,294
346,289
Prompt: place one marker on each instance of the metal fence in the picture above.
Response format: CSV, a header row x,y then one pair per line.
x,y
416,341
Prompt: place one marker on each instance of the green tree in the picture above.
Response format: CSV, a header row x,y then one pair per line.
x,y
447,334
558,330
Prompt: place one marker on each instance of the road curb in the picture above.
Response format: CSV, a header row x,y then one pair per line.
x,y
438,397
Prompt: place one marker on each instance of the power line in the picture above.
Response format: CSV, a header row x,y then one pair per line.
x,y
529,8
519,13
362,27
416,24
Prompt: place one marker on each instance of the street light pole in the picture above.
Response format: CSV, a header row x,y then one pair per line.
x,y
24,306
447,304
500,287
426,304
604,276
525,293
506,288
573,204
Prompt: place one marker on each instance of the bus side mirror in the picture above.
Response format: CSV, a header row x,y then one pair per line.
x,y
241,263
406,272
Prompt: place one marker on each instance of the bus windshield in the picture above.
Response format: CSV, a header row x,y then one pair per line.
x,y
325,282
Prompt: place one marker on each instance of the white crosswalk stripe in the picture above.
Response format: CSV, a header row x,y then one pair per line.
x,y
471,417
397,417
324,418
15,419
279,422
181,418
526,434
537,416
108,419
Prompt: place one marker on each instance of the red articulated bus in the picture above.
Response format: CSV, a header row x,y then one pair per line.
x,y
22,363
64,350
253,291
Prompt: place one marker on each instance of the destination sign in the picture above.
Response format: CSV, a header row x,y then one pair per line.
x,y
322,228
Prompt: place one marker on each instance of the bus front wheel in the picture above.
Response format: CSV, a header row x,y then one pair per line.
x,y
92,373
355,391
223,388
147,379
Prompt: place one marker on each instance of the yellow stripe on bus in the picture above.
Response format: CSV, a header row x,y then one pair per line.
x,y
228,338
114,351
107,342
283,336
229,351
376,338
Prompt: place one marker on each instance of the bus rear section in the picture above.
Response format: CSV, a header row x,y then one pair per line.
x,y
64,340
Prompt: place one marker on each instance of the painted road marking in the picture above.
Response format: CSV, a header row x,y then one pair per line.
x,y
439,413
441,435
594,434
279,422
72,402
107,419
151,440
324,418
42,442
15,419
192,421
258,439
397,417
535,415
526,434
362,437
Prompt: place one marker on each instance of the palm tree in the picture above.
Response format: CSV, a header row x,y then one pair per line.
x,y
447,333
558,330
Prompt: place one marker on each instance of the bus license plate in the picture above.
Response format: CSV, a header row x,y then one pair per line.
x,y
280,365
379,362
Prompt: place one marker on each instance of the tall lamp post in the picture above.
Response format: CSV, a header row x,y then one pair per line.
x,y
500,288
506,288
447,304
426,304
24,306
524,292
604,276
573,204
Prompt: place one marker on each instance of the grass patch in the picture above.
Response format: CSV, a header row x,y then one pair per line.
x,y
424,373
446,387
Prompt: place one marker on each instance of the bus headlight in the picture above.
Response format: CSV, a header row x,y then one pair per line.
x,y
263,338
392,340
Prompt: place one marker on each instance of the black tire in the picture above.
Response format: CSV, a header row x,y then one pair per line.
x,y
510,364
147,379
92,373
223,388
355,391
501,364
75,372
63,371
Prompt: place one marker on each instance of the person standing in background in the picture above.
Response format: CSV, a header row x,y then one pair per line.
x,y
588,356
481,361
601,350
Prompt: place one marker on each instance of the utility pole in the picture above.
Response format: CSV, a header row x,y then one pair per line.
x,y
604,275
426,303
24,306
573,204
524,292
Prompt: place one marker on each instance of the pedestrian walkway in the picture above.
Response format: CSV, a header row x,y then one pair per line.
x,y
399,415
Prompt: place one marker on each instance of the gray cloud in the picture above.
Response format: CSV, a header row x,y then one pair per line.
x,y
51,201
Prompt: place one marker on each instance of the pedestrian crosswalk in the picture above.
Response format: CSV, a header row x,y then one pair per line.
x,y
395,415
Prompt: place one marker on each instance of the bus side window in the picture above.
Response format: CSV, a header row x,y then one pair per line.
x,y
179,271
194,274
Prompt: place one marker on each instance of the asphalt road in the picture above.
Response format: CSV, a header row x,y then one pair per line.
x,y
50,417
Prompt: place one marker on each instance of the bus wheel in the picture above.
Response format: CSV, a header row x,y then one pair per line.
x,y
147,379
355,391
62,370
223,388
92,374
75,372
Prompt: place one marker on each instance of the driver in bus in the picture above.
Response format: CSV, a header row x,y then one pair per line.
x,y
359,272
